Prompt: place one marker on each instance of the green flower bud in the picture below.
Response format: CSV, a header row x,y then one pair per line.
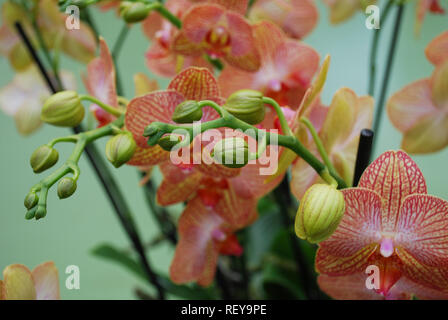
x,y
120,149
187,112
246,105
231,152
132,12
30,214
320,211
167,143
154,133
63,109
41,212
43,158
31,200
66,187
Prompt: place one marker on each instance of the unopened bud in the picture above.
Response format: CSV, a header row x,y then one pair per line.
x,y
41,212
63,109
120,149
31,200
187,112
167,143
320,211
247,105
153,133
66,187
231,152
43,158
132,12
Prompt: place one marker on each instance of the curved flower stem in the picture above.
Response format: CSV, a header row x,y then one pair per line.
x,y
232,122
390,60
283,122
374,48
107,180
214,105
318,142
109,109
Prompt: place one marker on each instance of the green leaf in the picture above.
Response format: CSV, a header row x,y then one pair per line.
x,y
109,252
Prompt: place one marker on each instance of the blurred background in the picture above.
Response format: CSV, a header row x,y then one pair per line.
x,y
74,226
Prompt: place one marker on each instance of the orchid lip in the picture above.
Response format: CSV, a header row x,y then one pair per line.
x,y
386,247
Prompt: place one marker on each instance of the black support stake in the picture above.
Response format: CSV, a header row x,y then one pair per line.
x,y
364,152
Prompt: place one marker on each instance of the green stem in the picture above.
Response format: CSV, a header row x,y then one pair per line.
x,y
283,122
390,61
109,109
214,105
232,122
318,142
374,48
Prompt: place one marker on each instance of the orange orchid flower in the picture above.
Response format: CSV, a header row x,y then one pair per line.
x,y
19,283
78,43
420,110
224,34
161,59
339,127
25,95
203,236
287,67
391,223
297,18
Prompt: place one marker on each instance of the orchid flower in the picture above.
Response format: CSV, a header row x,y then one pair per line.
x,y
24,97
297,18
203,236
392,223
341,10
224,34
19,283
161,59
339,127
420,110
287,67
423,6
78,43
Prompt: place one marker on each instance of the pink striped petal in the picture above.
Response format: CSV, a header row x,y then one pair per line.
x,y
360,225
196,84
196,253
155,106
422,229
393,175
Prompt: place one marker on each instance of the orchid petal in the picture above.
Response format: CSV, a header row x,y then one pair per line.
x,y
332,265
439,84
437,49
303,177
407,106
155,106
199,20
393,175
148,156
421,229
18,283
196,84
178,185
239,6
196,253
144,85
428,135
349,287
100,79
360,225
236,210
296,17
46,281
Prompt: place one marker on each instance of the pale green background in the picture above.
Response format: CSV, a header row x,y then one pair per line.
x,y
72,227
